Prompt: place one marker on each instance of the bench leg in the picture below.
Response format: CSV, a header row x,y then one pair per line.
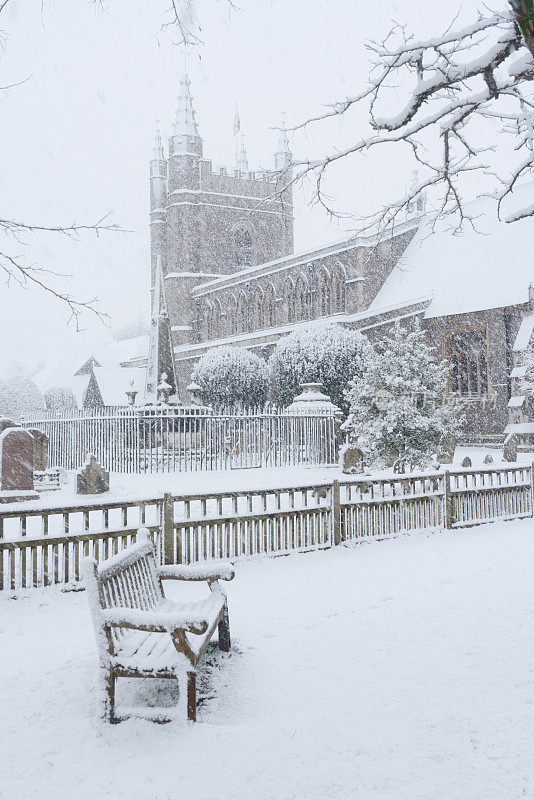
x,y
224,631
192,696
109,706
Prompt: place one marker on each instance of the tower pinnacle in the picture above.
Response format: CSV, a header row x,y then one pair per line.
x,y
158,146
242,160
185,124
282,157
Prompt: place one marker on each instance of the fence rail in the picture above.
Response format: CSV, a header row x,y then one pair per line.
x,y
42,547
170,438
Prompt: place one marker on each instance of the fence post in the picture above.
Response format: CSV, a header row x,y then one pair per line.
x,y
336,514
168,531
448,499
532,489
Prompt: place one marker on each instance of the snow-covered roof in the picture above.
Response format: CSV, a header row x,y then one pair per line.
x,y
469,270
519,372
107,360
517,401
114,383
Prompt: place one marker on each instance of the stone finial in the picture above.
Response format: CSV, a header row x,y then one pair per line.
x,y
131,393
92,478
164,389
194,394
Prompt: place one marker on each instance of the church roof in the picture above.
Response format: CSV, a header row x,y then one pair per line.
x,y
466,271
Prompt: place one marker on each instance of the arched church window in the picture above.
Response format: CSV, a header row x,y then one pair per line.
x,y
242,314
269,312
207,314
467,351
243,244
257,314
231,316
338,290
216,331
289,300
301,298
323,294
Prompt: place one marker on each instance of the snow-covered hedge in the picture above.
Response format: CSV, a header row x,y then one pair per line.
x,y
398,409
19,396
60,398
232,376
320,351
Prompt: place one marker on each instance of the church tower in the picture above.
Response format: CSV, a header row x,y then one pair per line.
x,y
206,223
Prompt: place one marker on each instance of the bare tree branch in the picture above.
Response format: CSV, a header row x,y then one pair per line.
x,y
482,71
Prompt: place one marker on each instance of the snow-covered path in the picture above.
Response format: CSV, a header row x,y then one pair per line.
x,y
389,670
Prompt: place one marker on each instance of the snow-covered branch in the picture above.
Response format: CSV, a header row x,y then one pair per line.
x,y
436,88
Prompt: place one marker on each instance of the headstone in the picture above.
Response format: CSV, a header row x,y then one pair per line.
x,y
509,452
16,464
40,449
488,459
467,462
92,478
351,458
446,454
6,423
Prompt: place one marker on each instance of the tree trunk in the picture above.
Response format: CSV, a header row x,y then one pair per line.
x,y
524,12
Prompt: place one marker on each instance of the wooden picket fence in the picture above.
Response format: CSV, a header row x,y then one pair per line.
x,y
160,438
44,546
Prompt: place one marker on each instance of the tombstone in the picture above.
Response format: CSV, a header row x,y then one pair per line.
x,y
351,459
92,478
509,452
16,465
40,449
446,453
488,459
6,423
467,462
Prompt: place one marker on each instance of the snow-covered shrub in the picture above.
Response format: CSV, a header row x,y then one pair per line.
x,y
60,398
19,396
231,376
398,409
318,352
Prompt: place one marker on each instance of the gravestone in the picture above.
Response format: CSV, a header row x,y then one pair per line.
x,y
40,449
16,465
509,452
467,462
351,458
92,478
6,423
488,459
446,453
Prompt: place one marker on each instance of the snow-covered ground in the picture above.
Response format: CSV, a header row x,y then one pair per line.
x,y
132,487
395,670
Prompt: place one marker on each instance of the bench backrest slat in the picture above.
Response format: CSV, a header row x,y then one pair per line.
x,y
134,583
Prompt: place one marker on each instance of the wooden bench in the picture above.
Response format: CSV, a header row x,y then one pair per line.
x,y
140,633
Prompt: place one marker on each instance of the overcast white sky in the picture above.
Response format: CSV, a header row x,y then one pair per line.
x,y
76,137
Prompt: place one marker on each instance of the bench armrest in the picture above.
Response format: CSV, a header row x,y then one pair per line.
x,y
153,621
213,571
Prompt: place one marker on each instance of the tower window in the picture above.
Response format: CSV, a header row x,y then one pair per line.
x,y
243,247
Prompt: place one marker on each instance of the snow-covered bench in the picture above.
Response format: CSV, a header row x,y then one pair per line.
x,y
139,632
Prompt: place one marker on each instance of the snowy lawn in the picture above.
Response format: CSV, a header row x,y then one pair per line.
x,y
395,670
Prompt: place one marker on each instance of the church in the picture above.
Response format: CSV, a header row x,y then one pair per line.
x,y
224,271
